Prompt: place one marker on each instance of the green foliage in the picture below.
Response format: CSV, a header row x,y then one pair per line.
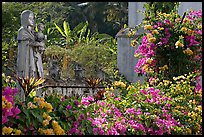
x,y
96,54
153,7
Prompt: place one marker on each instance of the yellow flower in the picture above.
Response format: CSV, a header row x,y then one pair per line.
x,y
129,34
35,99
148,27
48,107
199,26
186,20
165,67
152,40
3,98
189,32
42,99
58,130
149,35
178,106
145,22
129,87
188,131
161,28
134,43
54,123
45,115
40,130
17,132
34,106
45,122
3,105
9,105
7,131
42,104
188,51
184,29
137,55
30,104
178,44
49,132
155,31
49,118
149,60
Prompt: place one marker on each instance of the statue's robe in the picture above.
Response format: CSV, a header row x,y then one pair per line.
x,y
25,59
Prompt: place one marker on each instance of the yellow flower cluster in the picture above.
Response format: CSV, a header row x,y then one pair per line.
x,y
199,108
130,87
188,51
5,103
146,27
200,26
188,131
186,20
119,84
149,60
109,89
57,128
163,14
151,38
43,104
179,44
155,31
145,22
7,130
17,132
179,77
166,82
165,67
187,31
160,28
46,131
145,67
137,55
134,43
31,105
46,120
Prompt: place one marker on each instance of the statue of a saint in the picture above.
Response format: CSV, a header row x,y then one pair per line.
x,y
27,45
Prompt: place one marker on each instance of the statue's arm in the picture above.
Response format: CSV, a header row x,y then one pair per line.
x,y
35,43
25,36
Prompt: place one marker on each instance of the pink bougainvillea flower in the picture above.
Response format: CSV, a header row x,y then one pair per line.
x,y
68,107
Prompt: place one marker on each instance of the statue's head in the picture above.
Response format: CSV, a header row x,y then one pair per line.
x,y
40,27
27,18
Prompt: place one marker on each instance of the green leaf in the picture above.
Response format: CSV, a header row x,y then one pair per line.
x,y
60,30
66,28
35,123
25,111
78,28
37,115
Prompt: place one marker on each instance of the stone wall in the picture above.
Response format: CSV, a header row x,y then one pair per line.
x,y
71,90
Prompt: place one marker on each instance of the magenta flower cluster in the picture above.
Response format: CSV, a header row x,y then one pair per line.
x,y
12,112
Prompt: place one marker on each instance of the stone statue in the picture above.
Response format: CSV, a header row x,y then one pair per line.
x,y
29,62
41,38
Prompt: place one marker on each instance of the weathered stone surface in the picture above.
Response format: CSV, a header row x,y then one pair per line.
x,y
29,61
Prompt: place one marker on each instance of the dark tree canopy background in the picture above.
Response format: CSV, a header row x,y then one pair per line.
x,y
103,17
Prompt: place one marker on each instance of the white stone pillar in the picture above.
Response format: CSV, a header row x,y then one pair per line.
x,y
186,6
135,17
